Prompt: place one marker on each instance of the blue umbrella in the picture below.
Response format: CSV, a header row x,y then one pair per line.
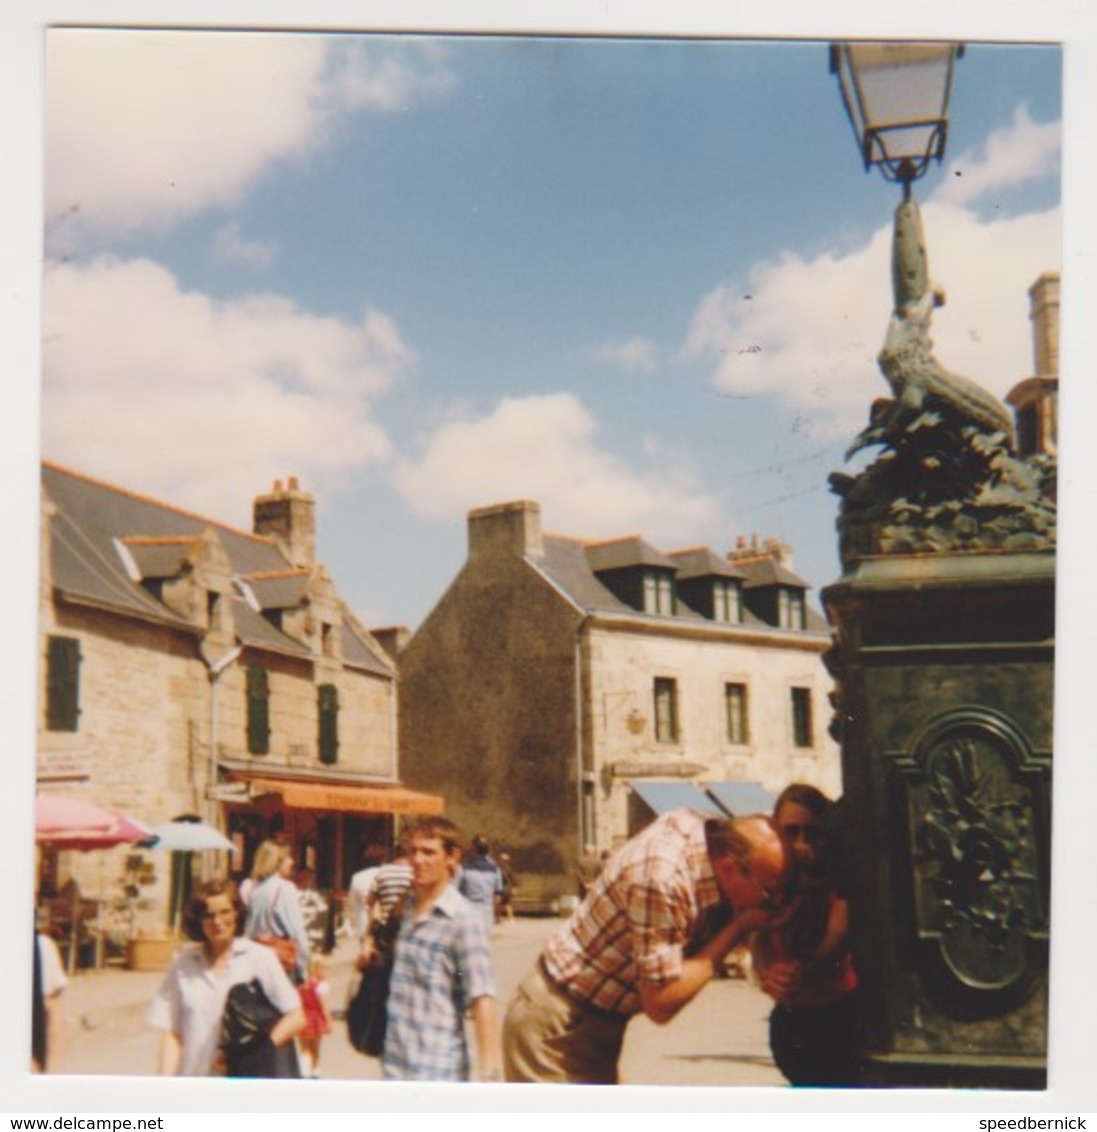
x,y
187,837
181,838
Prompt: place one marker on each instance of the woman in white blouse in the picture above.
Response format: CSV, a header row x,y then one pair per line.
x,y
191,1000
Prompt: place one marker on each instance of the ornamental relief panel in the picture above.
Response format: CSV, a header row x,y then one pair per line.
x,y
975,800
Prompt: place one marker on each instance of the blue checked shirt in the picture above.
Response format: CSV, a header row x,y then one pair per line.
x,y
443,963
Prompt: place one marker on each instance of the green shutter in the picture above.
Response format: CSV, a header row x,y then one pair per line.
x,y
258,711
63,684
328,698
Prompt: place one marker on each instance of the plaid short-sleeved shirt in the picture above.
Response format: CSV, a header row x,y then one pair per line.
x,y
655,902
442,964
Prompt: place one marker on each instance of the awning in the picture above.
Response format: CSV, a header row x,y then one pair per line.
x,y
722,799
662,797
742,797
348,798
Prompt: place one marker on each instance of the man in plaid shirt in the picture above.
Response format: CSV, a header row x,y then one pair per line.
x,y
442,968
655,927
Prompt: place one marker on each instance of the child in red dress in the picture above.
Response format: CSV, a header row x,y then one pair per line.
x,y
314,998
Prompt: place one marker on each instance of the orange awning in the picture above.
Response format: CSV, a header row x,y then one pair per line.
x,y
348,799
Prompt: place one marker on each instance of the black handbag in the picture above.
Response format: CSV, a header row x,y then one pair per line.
x,y
246,1023
367,1011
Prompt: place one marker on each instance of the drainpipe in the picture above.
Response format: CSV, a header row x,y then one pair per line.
x,y
215,669
586,830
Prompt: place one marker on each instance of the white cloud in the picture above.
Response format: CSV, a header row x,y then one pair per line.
x,y
808,331
634,355
545,448
230,246
204,400
362,77
146,128
1018,153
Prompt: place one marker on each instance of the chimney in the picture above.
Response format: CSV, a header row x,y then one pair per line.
x,y
288,515
513,528
1044,312
393,639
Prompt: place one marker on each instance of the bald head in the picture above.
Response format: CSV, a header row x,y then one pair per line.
x,y
750,857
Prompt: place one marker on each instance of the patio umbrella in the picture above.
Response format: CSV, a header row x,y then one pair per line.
x,y
75,823
187,837
183,837
64,822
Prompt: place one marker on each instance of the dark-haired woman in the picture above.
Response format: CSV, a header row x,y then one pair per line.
x,y
191,1000
805,963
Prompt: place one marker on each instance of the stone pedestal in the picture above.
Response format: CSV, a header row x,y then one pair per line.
x,y
945,671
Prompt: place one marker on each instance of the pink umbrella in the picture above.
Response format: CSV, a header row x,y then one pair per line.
x,y
75,823
63,822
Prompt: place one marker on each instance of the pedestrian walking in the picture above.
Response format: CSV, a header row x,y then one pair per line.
x,y
190,1004
480,880
442,970
274,910
47,1012
315,995
510,887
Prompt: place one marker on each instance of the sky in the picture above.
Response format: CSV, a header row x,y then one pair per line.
x,y
641,281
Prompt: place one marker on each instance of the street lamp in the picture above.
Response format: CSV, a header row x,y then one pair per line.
x,y
896,96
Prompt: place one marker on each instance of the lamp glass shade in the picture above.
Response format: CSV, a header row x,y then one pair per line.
x,y
897,95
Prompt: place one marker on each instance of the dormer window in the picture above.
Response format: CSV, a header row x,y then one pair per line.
x,y
791,609
658,592
727,601
636,574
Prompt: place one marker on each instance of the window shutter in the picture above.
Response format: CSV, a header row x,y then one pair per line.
x,y
328,698
258,693
63,684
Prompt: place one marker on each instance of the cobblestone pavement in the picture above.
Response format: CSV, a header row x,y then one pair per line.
x,y
719,1039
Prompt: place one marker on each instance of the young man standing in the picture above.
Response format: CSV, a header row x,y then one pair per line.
x,y
442,969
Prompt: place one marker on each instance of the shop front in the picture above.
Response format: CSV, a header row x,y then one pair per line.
x,y
329,824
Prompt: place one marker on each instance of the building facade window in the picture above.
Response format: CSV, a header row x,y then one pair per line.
x,y
727,602
258,693
735,705
791,609
63,684
801,717
666,710
328,740
658,592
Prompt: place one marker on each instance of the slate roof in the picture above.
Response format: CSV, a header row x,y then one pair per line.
x,y
622,553
566,562
87,566
703,562
767,571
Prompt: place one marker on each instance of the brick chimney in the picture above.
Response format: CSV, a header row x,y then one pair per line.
x,y
1044,312
288,515
513,528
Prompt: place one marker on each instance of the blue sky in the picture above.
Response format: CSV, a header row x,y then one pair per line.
x,y
640,281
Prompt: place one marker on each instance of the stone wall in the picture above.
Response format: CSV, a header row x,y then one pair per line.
x,y
623,666
487,714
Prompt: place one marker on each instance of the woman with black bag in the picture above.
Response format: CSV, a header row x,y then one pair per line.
x,y
225,1007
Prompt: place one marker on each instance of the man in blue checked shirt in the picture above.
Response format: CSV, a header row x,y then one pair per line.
x,y
441,971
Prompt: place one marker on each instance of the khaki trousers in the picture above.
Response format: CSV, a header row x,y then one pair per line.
x,y
550,1037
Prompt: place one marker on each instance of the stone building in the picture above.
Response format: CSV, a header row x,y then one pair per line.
x,y
560,687
191,668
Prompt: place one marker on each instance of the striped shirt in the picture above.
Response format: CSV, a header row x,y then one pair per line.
x,y
655,902
390,882
443,964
